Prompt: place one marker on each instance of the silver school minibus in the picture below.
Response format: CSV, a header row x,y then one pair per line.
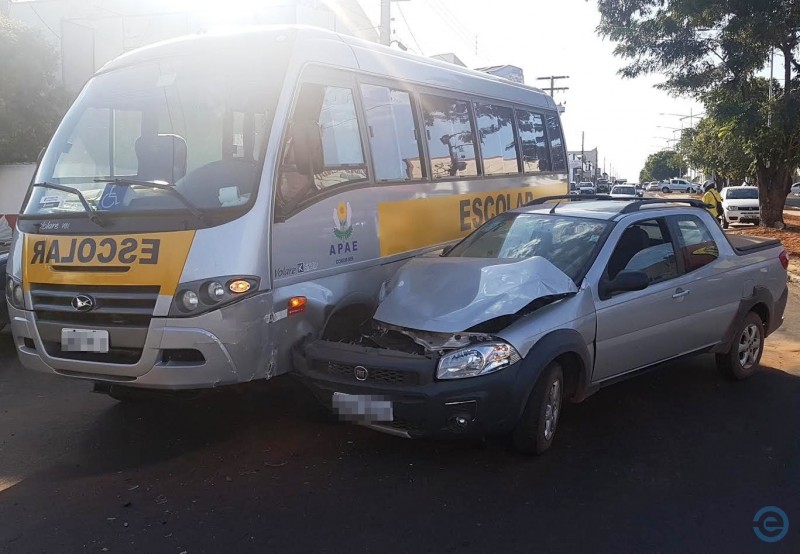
x,y
210,201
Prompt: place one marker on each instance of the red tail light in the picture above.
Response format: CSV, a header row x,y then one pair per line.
x,y
784,258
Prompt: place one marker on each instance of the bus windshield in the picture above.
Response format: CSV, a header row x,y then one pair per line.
x,y
138,135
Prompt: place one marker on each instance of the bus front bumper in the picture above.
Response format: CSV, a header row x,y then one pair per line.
x,y
213,349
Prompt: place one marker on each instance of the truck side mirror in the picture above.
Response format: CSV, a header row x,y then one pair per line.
x,y
625,281
306,140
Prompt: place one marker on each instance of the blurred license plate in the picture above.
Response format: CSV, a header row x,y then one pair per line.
x,y
359,407
84,340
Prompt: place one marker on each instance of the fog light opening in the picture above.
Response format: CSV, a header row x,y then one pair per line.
x,y
182,356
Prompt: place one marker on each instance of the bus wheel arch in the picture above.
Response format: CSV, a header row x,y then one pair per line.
x,y
346,319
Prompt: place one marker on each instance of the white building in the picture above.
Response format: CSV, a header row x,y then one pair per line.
x,y
89,33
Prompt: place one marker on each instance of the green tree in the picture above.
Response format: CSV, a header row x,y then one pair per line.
x,y
31,103
712,50
662,165
717,149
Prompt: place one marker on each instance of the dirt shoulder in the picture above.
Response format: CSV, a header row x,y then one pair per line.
x,y
782,349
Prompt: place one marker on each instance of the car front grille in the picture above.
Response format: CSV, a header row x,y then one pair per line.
x,y
124,311
388,376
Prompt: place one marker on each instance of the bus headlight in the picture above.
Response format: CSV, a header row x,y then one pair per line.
x,y
189,300
14,293
214,291
197,297
478,359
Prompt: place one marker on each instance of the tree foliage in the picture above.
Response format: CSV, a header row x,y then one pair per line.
x,y
662,165
717,149
713,50
31,102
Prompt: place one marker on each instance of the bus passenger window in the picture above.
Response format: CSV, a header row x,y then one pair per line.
x,y
556,144
450,137
332,111
498,146
535,156
392,134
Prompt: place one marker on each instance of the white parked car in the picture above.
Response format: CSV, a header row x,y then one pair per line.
x,y
679,185
653,186
586,187
796,189
740,205
624,191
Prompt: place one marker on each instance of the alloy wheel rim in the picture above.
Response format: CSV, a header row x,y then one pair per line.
x,y
552,409
749,346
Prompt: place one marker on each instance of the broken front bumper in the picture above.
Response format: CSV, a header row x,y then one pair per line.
x,y
422,405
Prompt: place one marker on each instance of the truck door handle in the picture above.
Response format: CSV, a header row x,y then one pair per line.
x,y
680,293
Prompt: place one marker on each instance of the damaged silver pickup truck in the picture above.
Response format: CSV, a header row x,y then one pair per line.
x,y
545,303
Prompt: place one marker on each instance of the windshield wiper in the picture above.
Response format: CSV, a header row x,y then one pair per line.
x,y
94,216
125,182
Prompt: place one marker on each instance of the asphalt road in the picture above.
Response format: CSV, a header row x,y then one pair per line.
x,y
675,460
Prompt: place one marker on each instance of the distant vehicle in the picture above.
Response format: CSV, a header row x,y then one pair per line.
x,y
603,185
573,188
796,189
484,339
587,187
740,205
624,191
679,185
653,186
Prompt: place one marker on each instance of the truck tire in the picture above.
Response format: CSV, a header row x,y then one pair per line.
x,y
741,361
665,189
537,427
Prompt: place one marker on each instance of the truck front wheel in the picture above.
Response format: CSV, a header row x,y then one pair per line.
x,y
537,427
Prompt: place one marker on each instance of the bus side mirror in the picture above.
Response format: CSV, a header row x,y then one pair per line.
x,y
306,137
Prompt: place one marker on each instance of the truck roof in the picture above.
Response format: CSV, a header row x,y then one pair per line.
x,y
606,209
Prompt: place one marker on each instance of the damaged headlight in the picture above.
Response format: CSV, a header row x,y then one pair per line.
x,y
478,359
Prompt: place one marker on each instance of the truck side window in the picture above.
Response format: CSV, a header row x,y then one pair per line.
x,y
645,246
696,243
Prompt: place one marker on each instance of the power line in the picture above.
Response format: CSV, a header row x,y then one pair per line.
x,y
33,8
452,20
461,35
410,32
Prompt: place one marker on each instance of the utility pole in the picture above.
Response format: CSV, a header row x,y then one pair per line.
x,y
552,79
583,156
386,21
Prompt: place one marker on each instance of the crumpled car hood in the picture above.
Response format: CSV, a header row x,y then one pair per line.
x,y
451,295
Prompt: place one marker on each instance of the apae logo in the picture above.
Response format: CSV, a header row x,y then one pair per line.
x,y
342,227
343,230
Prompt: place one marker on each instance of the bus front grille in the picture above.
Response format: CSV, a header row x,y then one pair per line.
x,y
124,311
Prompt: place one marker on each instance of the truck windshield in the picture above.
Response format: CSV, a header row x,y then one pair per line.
x,y
569,243
192,123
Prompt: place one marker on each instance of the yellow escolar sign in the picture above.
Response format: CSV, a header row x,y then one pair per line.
x,y
144,259
412,224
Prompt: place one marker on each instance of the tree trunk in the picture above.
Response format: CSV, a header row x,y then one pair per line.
x,y
772,184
